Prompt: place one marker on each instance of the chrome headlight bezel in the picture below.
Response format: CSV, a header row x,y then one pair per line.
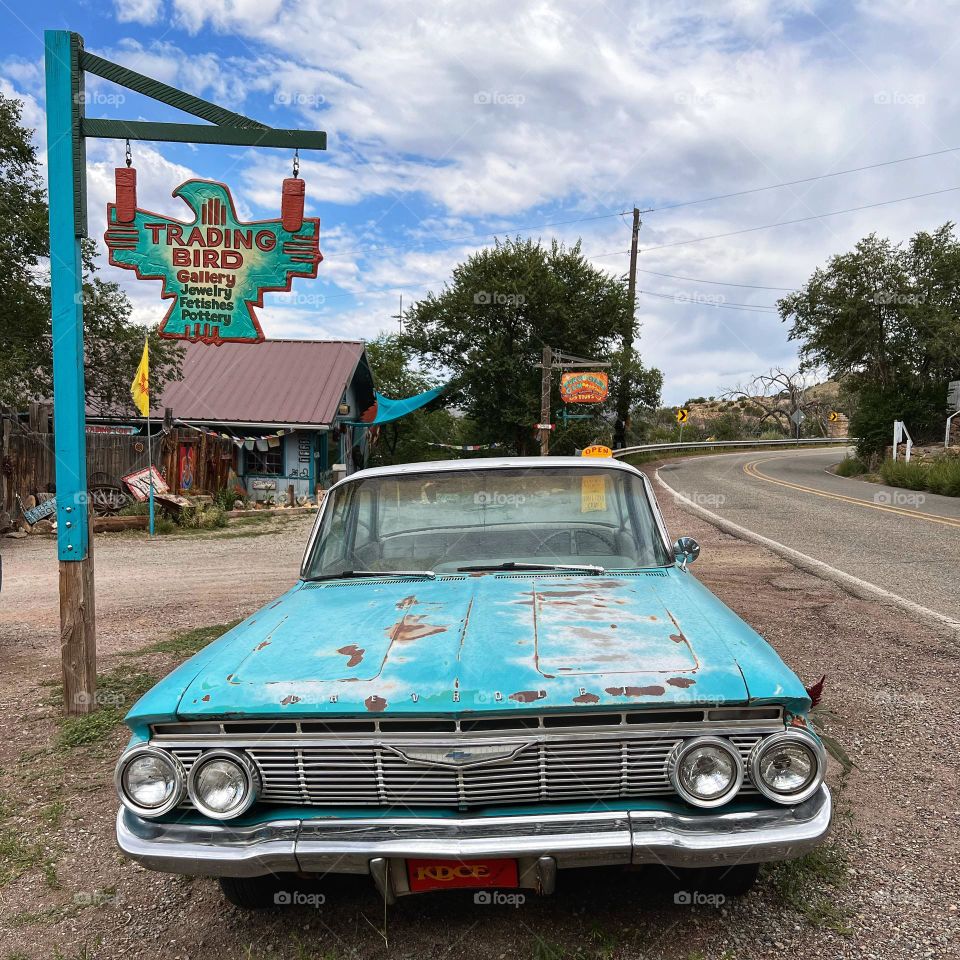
x,y
793,737
681,750
179,776
251,778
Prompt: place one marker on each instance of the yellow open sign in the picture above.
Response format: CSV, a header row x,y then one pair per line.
x,y
596,451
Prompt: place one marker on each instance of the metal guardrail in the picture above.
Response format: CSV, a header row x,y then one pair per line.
x,y
719,444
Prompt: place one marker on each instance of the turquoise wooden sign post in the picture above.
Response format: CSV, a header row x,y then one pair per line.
x,y
67,130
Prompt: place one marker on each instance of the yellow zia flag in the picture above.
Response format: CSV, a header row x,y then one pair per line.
x,y
140,388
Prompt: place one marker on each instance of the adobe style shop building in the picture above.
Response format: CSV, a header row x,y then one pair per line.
x,y
291,409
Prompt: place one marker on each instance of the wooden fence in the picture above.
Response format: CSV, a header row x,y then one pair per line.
x,y
191,462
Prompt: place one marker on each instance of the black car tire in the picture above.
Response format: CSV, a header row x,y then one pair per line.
x,y
256,893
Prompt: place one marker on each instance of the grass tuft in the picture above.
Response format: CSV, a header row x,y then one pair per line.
x,y
188,642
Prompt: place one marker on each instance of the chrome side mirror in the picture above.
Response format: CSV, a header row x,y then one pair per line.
x,y
686,550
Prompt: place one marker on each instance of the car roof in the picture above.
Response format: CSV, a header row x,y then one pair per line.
x,y
494,463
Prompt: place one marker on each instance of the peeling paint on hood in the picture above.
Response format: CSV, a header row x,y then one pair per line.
x,y
458,645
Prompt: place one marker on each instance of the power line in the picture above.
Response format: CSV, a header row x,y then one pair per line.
x,y
717,283
751,307
786,223
793,183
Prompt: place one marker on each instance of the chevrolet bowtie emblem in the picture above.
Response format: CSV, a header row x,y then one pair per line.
x,y
466,755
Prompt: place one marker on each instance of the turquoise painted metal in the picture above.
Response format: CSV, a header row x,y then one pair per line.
x,y
479,644
65,152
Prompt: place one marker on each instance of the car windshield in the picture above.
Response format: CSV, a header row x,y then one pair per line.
x,y
444,520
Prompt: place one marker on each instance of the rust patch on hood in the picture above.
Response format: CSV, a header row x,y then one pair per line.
x,y
677,637
528,696
681,682
411,627
262,644
354,652
587,698
651,691
406,603
375,704
288,699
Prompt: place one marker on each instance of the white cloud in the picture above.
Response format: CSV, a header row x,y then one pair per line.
x,y
146,12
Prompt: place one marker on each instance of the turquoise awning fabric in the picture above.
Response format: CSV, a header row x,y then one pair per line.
x,y
388,410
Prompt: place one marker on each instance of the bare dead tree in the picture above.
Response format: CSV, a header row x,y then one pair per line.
x,y
779,394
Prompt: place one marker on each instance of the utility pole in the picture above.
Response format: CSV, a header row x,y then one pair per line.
x,y
623,390
399,316
546,375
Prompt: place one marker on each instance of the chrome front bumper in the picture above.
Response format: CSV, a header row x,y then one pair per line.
x,y
327,845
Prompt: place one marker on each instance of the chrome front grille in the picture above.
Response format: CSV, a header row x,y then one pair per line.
x,y
554,768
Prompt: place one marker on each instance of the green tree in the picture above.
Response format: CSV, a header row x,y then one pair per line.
x,y
489,325
113,343
408,439
885,320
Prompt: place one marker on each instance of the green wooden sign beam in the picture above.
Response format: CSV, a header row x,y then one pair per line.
x,y
198,133
157,90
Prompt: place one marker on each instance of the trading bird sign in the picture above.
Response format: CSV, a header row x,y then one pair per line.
x,y
214,268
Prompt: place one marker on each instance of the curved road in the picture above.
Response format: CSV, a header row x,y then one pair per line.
x,y
902,541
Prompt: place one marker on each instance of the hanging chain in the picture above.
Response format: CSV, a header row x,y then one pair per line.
x,y
129,155
296,162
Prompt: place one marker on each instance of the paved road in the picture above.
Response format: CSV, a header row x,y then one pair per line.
x,y
900,540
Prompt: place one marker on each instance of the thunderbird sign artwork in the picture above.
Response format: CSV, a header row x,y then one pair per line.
x,y
214,267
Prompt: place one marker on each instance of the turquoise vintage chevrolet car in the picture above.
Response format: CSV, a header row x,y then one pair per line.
x,y
487,672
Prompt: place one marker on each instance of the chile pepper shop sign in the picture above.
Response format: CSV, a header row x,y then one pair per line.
x,y
214,268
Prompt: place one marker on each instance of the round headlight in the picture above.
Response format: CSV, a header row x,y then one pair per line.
x,y
787,767
706,772
223,784
150,782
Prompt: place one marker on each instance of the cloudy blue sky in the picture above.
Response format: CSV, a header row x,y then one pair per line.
x,y
451,122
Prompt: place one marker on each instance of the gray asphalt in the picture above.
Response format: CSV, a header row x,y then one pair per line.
x,y
903,541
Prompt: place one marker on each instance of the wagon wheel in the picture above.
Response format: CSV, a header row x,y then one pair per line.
x,y
108,499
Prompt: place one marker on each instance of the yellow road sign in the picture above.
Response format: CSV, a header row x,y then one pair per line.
x,y
834,416
682,415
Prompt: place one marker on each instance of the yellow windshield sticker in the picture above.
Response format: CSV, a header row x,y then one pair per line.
x,y
593,494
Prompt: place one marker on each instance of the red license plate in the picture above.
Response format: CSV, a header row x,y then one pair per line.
x,y
455,874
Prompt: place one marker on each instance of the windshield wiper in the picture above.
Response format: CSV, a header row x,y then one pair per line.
x,y
516,565
386,574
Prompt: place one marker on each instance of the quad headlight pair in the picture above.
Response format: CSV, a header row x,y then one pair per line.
x,y
222,784
786,768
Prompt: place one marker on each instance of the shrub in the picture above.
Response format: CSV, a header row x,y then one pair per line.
x,y
850,467
942,476
920,406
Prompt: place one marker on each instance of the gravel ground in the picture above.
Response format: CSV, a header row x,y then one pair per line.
x,y
887,885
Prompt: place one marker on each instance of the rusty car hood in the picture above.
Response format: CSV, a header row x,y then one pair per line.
x,y
462,644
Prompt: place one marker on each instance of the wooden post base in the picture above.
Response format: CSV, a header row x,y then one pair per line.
x,y
78,635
